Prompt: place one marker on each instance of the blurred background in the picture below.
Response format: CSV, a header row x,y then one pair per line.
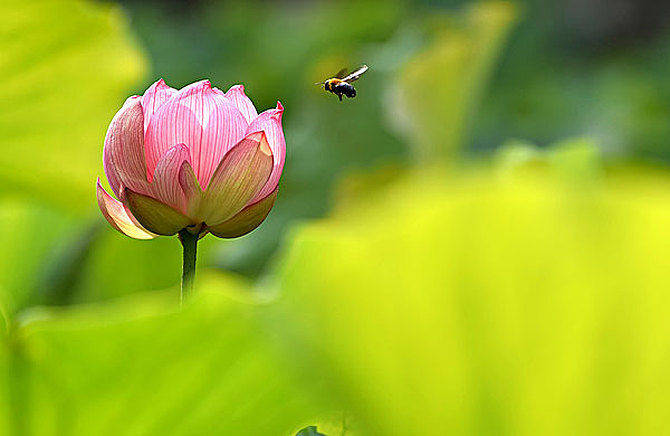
x,y
476,244
553,70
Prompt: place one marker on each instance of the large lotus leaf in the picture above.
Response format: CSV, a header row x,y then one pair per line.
x,y
66,66
489,305
139,366
25,249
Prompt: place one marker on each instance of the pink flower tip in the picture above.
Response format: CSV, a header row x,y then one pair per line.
x,y
204,83
278,112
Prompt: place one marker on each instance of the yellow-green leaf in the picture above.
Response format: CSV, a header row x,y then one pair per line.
x,y
141,366
66,67
439,87
486,305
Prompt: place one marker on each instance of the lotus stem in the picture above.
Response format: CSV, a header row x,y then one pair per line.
x,y
190,243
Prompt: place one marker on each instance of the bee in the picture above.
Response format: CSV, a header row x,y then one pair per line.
x,y
341,84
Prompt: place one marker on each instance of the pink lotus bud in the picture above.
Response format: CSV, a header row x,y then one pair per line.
x,y
195,158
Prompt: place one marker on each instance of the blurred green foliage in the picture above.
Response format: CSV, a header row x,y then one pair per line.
x,y
437,107
583,68
300,44
423,287
303,43
136,367
25,250
64,68
417,310
489,304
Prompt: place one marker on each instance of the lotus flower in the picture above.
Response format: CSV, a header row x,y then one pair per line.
x,y
195,159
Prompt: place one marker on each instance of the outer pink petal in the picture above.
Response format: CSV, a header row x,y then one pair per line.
x,y
166,187
242,173
189,184
199,118
119,216
270,123
240,100
153,99
123,154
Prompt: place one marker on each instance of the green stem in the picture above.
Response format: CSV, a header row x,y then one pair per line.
x,y
190,243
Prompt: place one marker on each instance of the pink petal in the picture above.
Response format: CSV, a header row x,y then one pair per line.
x,y
240,100
189,184
123,154
199,118
246,220
118,216
270,123
165,186
153,99
239,177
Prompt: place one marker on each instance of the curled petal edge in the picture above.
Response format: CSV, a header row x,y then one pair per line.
x,y
270,122
118,216
123,152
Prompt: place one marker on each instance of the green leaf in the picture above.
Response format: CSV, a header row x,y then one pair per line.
x,y
66,68
138,366
483,305
438,89
31,233
4,316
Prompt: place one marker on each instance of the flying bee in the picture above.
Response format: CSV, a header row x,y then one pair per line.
x,y
341,84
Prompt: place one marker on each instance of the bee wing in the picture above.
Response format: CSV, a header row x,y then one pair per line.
x,y
356,74
340,74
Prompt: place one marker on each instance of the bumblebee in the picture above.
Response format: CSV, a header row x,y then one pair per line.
x,y
341,84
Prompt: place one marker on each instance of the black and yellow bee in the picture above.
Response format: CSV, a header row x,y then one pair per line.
x,y
341,84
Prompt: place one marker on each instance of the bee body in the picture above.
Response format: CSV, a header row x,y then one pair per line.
x,y
341,85
340,88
